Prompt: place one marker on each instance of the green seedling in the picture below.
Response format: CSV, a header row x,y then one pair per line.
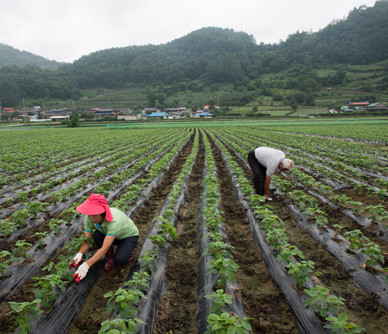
x,y
147,259
21,248
124,326
35,207
4,262
124,301
40,235
227,323
225,267
374,254
276,237
341,325
22,196
287,252
6,227
26,314
220,299
218,247
47,287
322,302
158,239
356,239
301,271
19,217
377,212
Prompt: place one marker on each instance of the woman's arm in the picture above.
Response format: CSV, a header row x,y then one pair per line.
x,y
86,245
108,241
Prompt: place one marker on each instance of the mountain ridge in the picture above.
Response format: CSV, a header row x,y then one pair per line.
x,y
213,56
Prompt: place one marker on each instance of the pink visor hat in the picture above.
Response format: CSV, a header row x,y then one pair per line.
x,y
95,205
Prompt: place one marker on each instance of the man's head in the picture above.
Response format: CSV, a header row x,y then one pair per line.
x,y
286,164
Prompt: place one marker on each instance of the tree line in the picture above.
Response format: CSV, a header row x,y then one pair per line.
x,y
213,56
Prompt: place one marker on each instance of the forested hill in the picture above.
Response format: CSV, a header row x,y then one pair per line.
x,y
10,56
359,39
215,55
212,56
208,55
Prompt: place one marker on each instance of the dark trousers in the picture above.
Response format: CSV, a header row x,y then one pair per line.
x,y
259,172
125,247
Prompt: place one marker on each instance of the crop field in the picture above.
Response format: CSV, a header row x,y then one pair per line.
x,y
212,256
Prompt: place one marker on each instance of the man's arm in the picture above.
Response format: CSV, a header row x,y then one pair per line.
x,y
266,186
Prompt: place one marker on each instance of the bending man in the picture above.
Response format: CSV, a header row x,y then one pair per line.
x,y
111,227
264,161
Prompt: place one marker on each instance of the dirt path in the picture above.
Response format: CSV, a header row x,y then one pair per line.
x,y
178,308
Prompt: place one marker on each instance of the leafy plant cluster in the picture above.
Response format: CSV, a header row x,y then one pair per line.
x,y
18,218
47,288
375,212
134,191
358,242
327,157
126,299
21,250
221,263
310,206
276,236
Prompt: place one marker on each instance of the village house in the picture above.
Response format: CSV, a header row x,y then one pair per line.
x,y
150,110
126,114
159,114
177,110
377,106
201,114
101,113
360,106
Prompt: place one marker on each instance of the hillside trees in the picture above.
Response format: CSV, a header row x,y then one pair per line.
x,y
10,56
33,82
217,56
352,40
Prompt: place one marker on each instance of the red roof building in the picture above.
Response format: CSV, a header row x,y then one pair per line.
x,y
358,104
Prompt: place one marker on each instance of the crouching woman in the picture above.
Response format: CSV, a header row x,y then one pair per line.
x,y
108,227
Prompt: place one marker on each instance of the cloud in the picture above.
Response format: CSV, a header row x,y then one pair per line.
x,y
66,30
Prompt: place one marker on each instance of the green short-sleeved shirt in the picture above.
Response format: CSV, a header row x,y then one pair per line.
x,y
121,225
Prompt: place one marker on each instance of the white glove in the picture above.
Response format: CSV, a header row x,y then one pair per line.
x,y
77,259
81,272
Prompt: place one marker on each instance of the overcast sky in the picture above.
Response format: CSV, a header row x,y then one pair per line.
x,y
65,30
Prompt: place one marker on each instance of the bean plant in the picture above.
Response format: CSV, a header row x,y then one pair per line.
x,y
26,313
301,271
340,325
4,262
47,287
124,326
322,302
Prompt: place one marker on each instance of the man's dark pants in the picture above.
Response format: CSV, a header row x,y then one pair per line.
x,y
259,172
